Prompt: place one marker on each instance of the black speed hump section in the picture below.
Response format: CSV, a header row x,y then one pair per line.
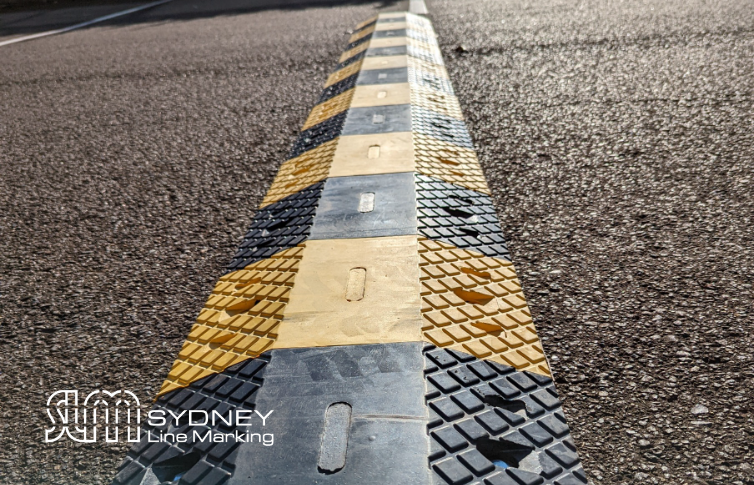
x,y
390,75
385,34
378,119
366,206
398,50
341,415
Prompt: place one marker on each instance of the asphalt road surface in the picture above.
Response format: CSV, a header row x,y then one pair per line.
x,y
617,138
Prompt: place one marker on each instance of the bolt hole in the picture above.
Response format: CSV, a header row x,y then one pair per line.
x,y
503,453
473,297
469,232
278,224
174,468
512,405
458,212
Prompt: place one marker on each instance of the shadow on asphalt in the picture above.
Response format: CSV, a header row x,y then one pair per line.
x,y
66,13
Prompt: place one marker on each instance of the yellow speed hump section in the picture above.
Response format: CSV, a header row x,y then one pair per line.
x,y
355,291
437,101
341,74
449,162
302,171
361,34
474,304
240,319
384,62
390,26
352,52
388,42
381,95
373,154
427,67
336,292
328,109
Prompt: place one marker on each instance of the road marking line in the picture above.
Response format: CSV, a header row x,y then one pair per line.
x,y
83,24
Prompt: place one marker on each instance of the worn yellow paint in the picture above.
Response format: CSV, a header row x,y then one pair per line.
x,y
474,304
384,289
381,95
428,67
341,74
373,154
437,101
432,49
384,62
390,25
352,52
448,162
388,42
239,321
361,34
302,171
328,109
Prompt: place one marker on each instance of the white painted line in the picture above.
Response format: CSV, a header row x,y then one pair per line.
x,y
83,24
418,7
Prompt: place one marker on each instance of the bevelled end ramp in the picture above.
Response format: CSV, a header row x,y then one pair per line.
x,y
371,328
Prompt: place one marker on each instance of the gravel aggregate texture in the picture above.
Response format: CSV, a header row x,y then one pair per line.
x,y
133,158
617,138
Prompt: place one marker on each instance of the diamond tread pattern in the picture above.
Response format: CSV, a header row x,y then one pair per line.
x,y
343,73
428,79
419,23
326,110
423,54
234,388
279,226
317,135
475,404
365,38
339,87
240,319
425,51
426,72
300,172
437,101
420,34
356,57
461,217
428,122
474,304
449,162
350,53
